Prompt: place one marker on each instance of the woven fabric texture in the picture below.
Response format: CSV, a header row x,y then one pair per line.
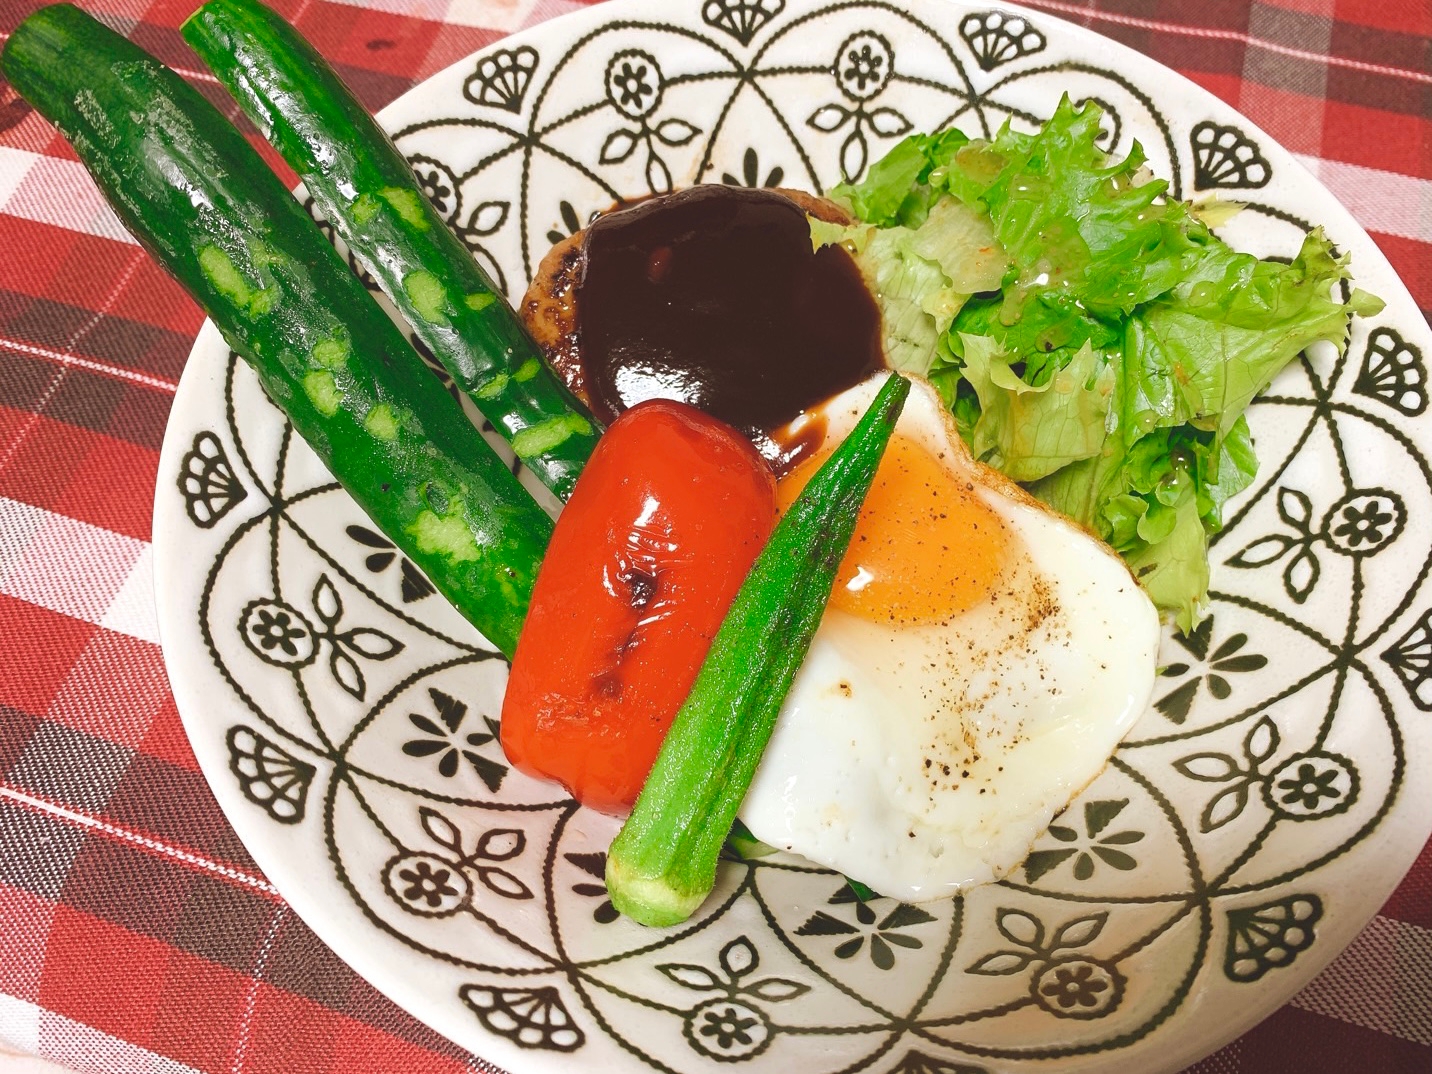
x,y
136,933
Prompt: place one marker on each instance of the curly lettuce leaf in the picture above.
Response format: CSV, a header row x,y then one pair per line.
x,y
1174,570
1075,222
1204,351
1156,505
896,189
921,276
1029,431
1111,364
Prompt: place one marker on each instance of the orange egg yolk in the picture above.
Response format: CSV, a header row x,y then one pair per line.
x,y
926,546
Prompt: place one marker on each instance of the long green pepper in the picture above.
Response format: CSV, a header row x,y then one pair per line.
x,y
367,190
662,864
203,203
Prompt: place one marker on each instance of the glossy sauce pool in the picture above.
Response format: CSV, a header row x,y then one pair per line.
x,y
713,296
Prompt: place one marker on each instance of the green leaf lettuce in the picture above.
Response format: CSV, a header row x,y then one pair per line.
x,y
1092,336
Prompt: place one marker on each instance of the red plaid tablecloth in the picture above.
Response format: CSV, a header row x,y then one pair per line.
x,y
135,932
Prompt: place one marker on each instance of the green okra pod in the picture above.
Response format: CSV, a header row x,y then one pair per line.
x,y
662,864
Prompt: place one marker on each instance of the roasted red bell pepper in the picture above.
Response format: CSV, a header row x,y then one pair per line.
x,y
665,522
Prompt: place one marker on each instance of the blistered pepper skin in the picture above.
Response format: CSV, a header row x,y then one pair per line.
x,y
661,530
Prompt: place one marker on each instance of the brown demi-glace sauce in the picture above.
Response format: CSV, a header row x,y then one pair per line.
x,y
713,296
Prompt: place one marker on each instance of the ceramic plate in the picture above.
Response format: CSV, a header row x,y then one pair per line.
x,y
1255,818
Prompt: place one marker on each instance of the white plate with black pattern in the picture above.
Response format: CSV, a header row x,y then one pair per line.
x,y
1252,822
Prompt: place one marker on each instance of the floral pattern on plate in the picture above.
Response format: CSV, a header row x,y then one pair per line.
x,y
348,721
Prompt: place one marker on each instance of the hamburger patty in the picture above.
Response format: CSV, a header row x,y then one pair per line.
x,y
550,307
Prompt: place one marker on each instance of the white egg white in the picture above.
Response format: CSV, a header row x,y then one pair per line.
x,y
922,760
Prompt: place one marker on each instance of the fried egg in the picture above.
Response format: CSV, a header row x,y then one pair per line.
x,y
979,661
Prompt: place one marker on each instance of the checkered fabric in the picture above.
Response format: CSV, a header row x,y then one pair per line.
x,y
135,932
